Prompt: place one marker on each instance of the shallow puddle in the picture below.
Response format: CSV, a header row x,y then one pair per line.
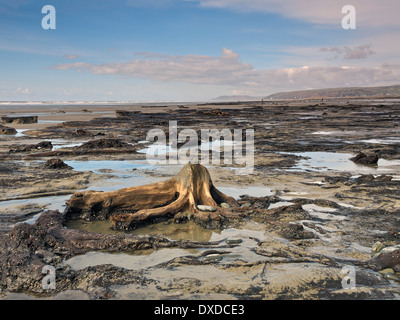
x,y
114,166
325,161
245,239
61,143
389,140
184,231
139,260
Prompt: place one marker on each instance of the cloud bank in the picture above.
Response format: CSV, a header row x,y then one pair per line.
x,y
348,53
369,12
229,70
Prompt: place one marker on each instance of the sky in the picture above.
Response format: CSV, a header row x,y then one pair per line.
x,y
193,50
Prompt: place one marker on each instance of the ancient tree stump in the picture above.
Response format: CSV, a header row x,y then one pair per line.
x,y
132,206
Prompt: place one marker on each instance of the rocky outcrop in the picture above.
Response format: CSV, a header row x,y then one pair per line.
x,y
366,159
104,144
27,249
125,114
20,120
41,146
56,164
7,131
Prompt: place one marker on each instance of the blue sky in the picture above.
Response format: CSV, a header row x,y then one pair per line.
x,y
192,50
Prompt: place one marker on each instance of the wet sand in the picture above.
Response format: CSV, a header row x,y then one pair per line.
x,y
302,152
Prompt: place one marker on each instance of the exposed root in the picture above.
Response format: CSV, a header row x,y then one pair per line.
x,y
129,207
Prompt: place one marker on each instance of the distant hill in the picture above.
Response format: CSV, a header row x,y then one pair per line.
x,y
236,98
350,92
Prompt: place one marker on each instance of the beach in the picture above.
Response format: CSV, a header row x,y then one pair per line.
x,y
307,210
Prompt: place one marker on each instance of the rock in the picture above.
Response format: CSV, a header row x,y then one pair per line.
x,y
20,120
81,132
225,205
56,164
296,231
7,130
35,147
390,249
124,113
365,159
246,205
183,217
384,178
371,178
378,246
104,144
206,208
233,240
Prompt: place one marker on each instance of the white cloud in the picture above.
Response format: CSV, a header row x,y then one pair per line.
x,y
349,53
24,91
368,12
226,69
229,71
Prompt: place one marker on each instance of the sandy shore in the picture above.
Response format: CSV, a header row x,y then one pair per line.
x,y
310,210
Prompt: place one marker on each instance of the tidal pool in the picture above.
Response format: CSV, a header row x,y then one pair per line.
x,y
325,161
248,237
186,231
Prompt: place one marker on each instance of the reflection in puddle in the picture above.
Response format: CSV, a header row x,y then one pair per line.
x,y
249,237
184,231
324,161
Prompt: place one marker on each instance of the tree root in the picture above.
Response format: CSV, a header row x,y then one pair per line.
x,y
132,206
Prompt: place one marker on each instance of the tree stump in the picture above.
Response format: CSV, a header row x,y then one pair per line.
x,y
132,206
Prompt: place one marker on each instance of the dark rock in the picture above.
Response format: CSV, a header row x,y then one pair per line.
x,y
370,178
35,147
26,249
294,212
81,132
294,232
385,260
384,178
104,144
56,164
7,130
366,159
124,113
258,202
20,120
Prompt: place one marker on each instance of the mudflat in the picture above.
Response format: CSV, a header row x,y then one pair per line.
x,y
308,212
